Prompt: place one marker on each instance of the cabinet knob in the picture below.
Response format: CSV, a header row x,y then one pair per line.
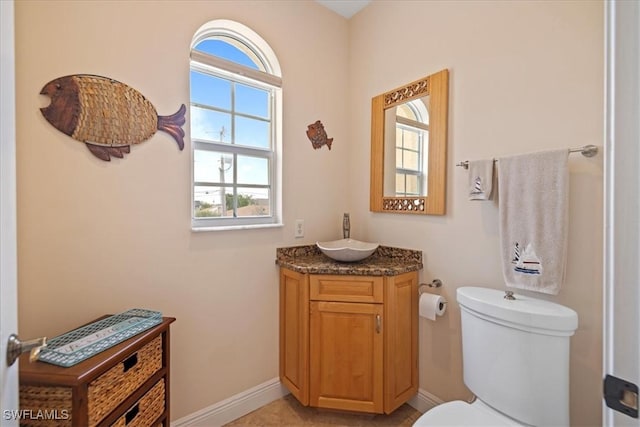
x,y
378,323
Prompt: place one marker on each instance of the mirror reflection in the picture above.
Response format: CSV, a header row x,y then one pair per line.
x,y
406,142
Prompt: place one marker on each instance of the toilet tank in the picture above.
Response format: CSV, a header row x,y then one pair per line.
x,y
516,354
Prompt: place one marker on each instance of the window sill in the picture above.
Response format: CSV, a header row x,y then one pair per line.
x,y
235,227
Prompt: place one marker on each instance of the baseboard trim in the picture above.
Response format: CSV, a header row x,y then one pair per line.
x,y
256,397
234,407
423,401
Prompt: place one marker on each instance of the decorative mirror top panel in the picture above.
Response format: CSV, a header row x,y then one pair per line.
x,y
421,87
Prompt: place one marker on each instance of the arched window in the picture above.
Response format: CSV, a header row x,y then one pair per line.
x,y
412,139
236,113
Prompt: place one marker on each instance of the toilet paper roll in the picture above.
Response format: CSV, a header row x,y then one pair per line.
x,y
431,306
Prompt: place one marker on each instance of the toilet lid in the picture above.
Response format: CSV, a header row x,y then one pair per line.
x,y
459,413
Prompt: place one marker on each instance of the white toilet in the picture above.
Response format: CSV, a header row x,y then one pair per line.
x,y
515,359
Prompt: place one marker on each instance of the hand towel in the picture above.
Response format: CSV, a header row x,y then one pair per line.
x,y
533,192
480,179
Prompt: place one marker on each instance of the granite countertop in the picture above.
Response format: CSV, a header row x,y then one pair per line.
x,y
385,261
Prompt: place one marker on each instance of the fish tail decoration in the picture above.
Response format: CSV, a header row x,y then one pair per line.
x,y
329,141
173,125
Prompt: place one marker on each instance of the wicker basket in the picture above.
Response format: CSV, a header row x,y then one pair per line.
x,y
47,406
146,410
114,386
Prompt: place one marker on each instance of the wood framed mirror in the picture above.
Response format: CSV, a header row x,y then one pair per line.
x,y
409,147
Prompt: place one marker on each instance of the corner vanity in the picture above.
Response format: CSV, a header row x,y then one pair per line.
x,y
349,331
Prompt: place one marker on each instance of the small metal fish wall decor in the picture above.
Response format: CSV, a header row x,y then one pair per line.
x,y
318,136
108,116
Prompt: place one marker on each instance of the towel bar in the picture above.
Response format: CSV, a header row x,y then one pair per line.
x,y
587,151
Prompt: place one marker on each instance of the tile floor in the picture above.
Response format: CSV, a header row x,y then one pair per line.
x,y
288,412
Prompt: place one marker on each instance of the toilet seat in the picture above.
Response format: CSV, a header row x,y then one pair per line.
x,y
459,413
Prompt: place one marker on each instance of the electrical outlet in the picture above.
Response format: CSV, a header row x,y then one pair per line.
x,y
299,230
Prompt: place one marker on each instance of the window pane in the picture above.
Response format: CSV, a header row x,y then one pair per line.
x,y
212,202
210,125
411,160
207,202
399,184
404,111
251,132
412,184
253,170
425,155
225,50
399,157
411,140
212,166
253,202
250,100
210,90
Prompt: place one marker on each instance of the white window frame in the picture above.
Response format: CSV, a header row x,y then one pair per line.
x,y
269,79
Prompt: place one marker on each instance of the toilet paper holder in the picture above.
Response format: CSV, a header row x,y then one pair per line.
x,y
435,283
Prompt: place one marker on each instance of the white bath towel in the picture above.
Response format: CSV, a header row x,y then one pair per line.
x,y
480,179
533,202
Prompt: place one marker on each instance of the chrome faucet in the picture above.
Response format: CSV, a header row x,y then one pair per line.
x,y
346,226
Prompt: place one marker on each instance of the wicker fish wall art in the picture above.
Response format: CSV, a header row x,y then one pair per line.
x,y
108,116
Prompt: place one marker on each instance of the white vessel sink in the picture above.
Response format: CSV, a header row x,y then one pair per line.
x,y
347,250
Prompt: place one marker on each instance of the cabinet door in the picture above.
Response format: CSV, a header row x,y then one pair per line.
x,y
294,333
401,340
346,344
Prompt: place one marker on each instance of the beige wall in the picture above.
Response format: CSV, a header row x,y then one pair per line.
x,y
97,238
525,76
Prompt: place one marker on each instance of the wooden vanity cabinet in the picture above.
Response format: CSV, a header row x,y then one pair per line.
x,y
294,333
349,342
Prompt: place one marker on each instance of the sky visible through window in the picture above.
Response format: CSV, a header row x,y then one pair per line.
x,y
224,50
219,102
